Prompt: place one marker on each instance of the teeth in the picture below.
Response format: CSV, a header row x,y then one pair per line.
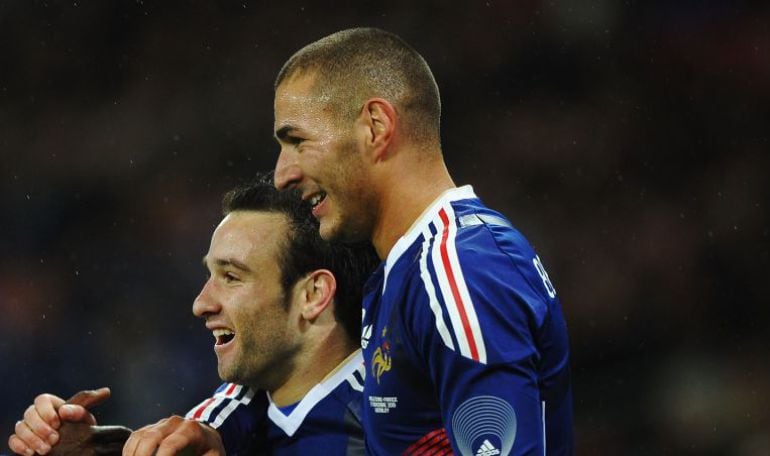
x,y
221,335
317,198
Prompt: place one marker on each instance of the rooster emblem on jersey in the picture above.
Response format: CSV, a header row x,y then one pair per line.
x,y
381,360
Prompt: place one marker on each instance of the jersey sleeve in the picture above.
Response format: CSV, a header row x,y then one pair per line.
x,y
238,413
480,310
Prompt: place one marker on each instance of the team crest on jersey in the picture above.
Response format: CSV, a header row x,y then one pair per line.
x,y
381,361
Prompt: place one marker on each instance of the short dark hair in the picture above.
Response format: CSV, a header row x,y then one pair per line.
x,y
353,65
305,251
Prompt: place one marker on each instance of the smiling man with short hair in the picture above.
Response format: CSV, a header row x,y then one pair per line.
x,y
464,340
284,308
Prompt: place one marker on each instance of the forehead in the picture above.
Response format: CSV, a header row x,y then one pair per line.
x,y
250,236
297,99
298,86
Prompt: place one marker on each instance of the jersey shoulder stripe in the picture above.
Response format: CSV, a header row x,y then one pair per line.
x,y
430,290
230,407
453,289
356,378
217,408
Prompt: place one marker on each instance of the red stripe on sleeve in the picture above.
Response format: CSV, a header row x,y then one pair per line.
x,y
455,290
433,443
231,389
202,408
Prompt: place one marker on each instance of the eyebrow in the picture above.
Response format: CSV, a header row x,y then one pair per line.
x,y
226,262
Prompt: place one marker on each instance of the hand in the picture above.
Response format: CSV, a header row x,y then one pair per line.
x,y
37,431
175,436
83,439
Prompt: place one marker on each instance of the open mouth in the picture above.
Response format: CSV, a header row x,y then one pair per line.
x,y
223,336
317,199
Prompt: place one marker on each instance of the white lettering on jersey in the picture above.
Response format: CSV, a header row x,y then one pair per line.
x,y
544,276
383,404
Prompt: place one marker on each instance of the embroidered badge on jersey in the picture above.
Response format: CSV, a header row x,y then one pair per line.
x,y
381,361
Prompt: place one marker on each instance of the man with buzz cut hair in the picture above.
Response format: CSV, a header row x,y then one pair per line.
x,y
350,71
284,308
464,340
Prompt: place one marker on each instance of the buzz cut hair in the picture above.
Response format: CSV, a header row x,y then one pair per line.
x,y
354,65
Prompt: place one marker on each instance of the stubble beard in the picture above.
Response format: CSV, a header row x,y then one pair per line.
x,y
261,368
351,222
344,230
262,363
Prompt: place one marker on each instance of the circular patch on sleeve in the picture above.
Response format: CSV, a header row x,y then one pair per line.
x,y
484,426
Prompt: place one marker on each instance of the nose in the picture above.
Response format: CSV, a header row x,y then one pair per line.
x,y
205,304
287,172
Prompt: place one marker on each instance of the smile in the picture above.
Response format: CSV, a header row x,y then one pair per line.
x,y
316,199
223,336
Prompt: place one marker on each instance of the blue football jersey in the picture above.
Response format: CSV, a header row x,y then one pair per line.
x,y
464,341
326,421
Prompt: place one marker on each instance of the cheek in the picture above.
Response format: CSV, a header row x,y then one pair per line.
x,y
243,312
356,187
350,176
261,321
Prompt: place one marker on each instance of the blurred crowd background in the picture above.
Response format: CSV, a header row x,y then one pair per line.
x,y
628,140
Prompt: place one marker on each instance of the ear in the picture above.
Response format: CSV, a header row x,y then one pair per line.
x,y
319,289
380,120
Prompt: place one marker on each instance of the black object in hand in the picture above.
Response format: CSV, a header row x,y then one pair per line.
x,y
82,439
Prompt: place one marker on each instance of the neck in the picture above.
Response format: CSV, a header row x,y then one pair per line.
x,y
407,192
312,366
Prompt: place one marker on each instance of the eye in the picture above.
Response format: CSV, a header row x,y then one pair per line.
x,y
294,140
230,277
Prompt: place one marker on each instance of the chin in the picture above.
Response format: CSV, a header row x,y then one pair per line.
x,y
228,375
328,231
340,233
223,375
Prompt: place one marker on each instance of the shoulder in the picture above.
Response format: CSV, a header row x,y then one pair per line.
x,y
342,391
349,392
228,398
475,250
